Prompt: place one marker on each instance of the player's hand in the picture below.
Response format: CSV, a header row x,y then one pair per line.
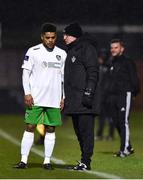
x,y
62,104
28,100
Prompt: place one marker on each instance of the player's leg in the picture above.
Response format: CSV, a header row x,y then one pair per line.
x,y
49,143
27,142
51,120
32,117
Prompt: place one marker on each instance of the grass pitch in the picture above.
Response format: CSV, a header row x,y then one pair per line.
x,y
66,152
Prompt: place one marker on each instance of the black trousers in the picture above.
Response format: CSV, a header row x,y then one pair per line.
x,y
120,106
104,117
84,129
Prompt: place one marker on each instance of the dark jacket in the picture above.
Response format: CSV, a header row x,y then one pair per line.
x,y
123,76
103,78
81,73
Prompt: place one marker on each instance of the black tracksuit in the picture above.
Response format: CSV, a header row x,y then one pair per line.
x,y
81,73
122,85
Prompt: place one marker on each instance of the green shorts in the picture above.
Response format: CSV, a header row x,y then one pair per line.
x,y
43,115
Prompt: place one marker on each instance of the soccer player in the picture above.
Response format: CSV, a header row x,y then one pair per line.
x,y
42,82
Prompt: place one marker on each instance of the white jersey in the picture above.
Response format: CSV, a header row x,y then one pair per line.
x,y
46,74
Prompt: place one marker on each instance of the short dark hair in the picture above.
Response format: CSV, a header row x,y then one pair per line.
x,y
118,41
48,27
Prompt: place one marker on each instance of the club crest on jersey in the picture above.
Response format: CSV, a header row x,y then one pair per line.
x,y
73,59
58,57
44,64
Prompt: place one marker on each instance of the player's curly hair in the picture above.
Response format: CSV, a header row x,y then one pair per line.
x,y
48,27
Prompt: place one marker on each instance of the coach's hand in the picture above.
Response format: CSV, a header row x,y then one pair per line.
x,y
87,98
28,100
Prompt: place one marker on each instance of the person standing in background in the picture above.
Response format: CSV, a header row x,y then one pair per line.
x,y
123,85
104,116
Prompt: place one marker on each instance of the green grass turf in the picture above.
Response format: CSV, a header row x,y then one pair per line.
x,y
67,149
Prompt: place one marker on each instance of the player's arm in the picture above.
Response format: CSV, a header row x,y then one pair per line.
x,y
28,100
62,74
62,98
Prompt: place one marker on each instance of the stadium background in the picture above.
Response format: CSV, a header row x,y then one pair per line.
x,y
20,29
20,23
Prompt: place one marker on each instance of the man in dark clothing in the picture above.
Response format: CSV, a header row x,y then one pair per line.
x,y
122,86
80,82
104,116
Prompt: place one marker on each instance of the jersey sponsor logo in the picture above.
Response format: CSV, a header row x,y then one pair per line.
x,y
51,65
54,65
26,58
73,59
58,57
44,64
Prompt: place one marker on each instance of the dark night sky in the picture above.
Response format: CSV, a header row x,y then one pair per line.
x,y
21,19
33,12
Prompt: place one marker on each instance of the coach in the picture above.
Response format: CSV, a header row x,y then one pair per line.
x,y
81,77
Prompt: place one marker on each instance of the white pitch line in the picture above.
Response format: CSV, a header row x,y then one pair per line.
x,y
13,140
34,150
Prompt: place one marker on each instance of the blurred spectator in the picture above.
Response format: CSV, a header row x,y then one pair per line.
x,y
103,58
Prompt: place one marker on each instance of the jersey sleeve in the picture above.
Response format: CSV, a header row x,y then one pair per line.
x,y
26,81
28,60
63,64
62,73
